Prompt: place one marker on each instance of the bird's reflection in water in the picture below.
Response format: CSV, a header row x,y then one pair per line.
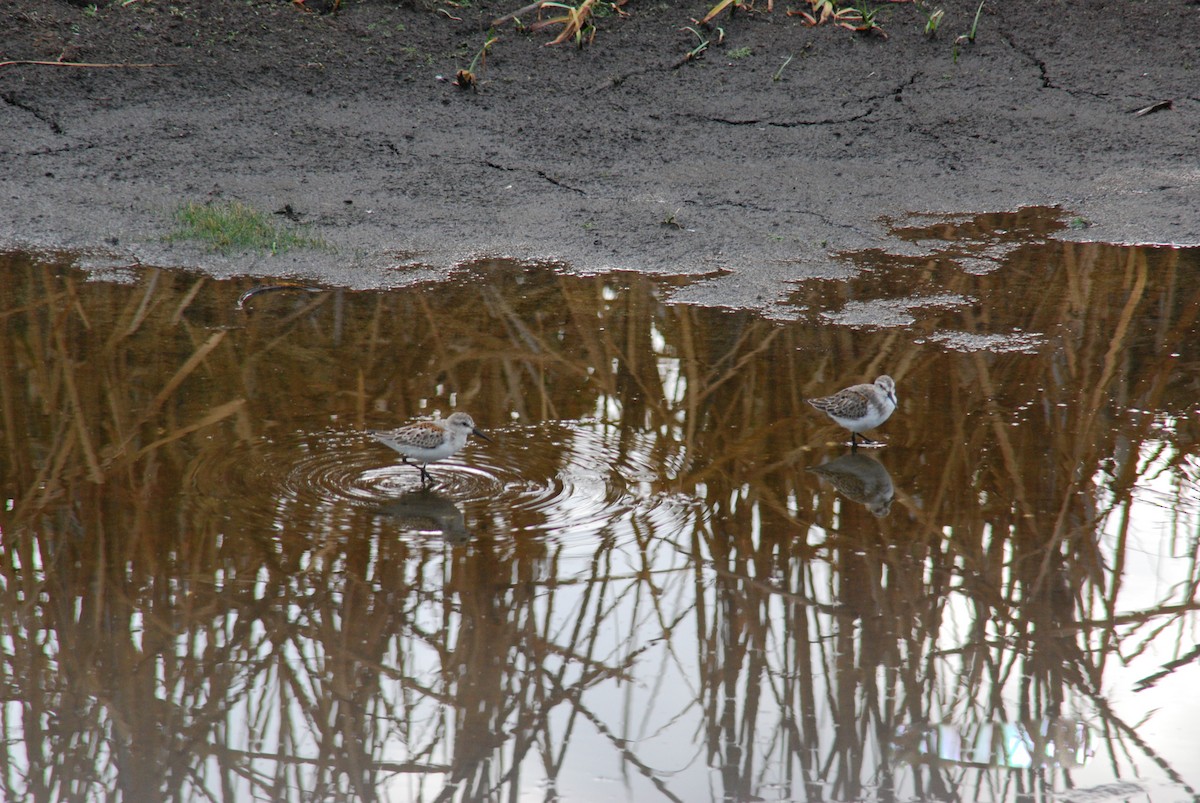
x,y
860,479
427,511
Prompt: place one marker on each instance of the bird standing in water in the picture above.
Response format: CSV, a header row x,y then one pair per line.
x,y
860,407
426,442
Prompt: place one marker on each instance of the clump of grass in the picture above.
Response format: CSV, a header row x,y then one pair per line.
x,y
732,5
778,76
969,36
469,78
578,21
933,18
234,226
698,51
860,17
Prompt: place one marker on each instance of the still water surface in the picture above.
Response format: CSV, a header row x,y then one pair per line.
x,y
667,579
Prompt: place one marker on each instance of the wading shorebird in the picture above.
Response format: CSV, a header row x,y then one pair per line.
x,y
860,407
427,442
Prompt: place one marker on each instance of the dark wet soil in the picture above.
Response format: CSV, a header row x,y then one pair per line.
x,y
611,156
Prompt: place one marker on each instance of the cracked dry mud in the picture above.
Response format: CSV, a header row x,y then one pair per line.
x,y
613,156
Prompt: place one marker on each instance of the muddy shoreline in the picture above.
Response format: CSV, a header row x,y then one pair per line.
x,y
609,157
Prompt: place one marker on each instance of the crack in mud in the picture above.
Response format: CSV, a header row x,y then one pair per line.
x,y
558,183
79,146
783,124
1043,70
540,173
12,100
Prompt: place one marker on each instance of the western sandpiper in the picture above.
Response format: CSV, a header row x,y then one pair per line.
x,y
426,442
860,407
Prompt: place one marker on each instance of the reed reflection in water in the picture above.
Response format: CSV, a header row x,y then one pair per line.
x,y
667,579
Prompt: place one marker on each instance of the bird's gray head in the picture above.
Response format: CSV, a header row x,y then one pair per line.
x,y
460,421
464,423
888,386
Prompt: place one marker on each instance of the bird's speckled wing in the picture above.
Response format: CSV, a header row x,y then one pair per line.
x,y
423,435
853,402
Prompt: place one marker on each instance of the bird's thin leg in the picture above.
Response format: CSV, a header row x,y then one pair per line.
x,y
853,441
420,467
425,478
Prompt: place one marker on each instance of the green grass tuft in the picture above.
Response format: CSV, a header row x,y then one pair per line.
x,y
234,226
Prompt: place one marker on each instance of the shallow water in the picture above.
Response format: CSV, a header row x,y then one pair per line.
x,y
667,578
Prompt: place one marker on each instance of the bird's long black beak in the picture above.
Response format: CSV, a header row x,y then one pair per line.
x,y
480,434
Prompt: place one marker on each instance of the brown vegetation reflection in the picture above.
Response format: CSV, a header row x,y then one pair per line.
x,y
184,616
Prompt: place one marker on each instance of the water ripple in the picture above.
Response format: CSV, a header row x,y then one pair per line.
x,y
560,479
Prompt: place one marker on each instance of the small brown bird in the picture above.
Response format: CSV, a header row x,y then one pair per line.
x,y
429,441
860,407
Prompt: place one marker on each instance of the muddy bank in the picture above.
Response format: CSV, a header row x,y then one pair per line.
x,y
607,157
